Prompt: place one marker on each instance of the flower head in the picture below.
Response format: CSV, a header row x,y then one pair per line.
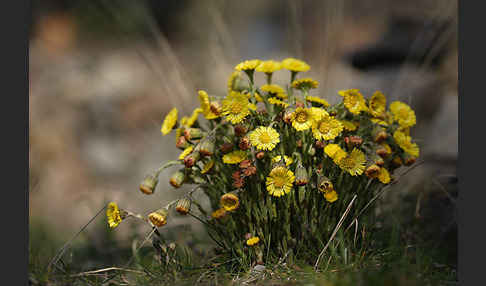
x,y
326,127
331,196
264,138
193,118
234,157
288,160
233,80
377,104
252,241
318,100
229,202
405,142
335,152
186,152
206,105
273,100
219,213
269,66
379,121
353,100
148,184
403,114
159,217
349,125
183,206
384,176
302,118
169,121
280,181
248,65
236,107
113,215
353,163
207,167
305,83
295,65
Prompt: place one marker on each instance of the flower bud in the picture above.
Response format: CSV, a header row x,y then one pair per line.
x,y
397,162
148,184
353,141
383,150
226,147
178,178
379,134
207,147
372,170
182,143
193,133
159,217
324,184
287,117
301,177
191,159
408,159
312,151
244,143
249,171
183,206
260,155
219,213
240,130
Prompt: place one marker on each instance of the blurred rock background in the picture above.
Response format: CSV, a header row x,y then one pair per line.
x,y
103,74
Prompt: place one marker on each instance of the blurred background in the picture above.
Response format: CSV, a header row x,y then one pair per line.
x,y
103,74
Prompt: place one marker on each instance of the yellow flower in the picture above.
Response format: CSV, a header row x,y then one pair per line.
x,y
295,65
273,100
191,120
236,107
234,157
353,163
335,152
258,97
326,127
317,100
353,100
252,241
268,66
387,148
331,196
305,83
219,213
274,89
207,167
403,114
377,104
159,217
280,181
302,118
186,152
233,80
206,105
405,142
247,65
264,138
384,176
349,125
229,202
113,215
379,121
287,160
169,121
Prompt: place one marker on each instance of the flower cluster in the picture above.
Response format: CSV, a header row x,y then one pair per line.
x,y
279,165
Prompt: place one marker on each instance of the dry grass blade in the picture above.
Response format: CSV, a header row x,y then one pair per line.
x,y
336,229
92,272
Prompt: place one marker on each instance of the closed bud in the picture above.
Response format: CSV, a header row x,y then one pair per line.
x,y
312,151
377,160
159,217
301,177
244,143
183,206
193,133
182,143
148,184
191,159
372,170
260,155
408,159
379,134
226,147
240,130
245,164
353,141
207,147
287,117
324,184
178,178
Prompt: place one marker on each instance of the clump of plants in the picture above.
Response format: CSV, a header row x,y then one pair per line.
x,y
281,168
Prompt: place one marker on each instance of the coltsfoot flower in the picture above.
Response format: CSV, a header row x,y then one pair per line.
x,y
193,118
253,241
280,181
207,167
206,105
295,65
273,89
372,171
233,81
335,152
248,65
302,118
183,206
148,184
288,160
353,100
405,142
301,178
177,179
403,114
236,107
114,215
384,176
264,138
377,104
159,217
273,100
349,125
219,213
326,128
229,202
305,83
234,157
186,152
269,66
353,163
324,184
331,196
169,121
318,100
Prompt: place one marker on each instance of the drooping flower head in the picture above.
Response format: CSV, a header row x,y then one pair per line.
x,y
403,114
353,163
280,181
113,214
353,100
233,80
264,138
159,217
229,202
295,65
234,157
169,121
377,104
236,107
